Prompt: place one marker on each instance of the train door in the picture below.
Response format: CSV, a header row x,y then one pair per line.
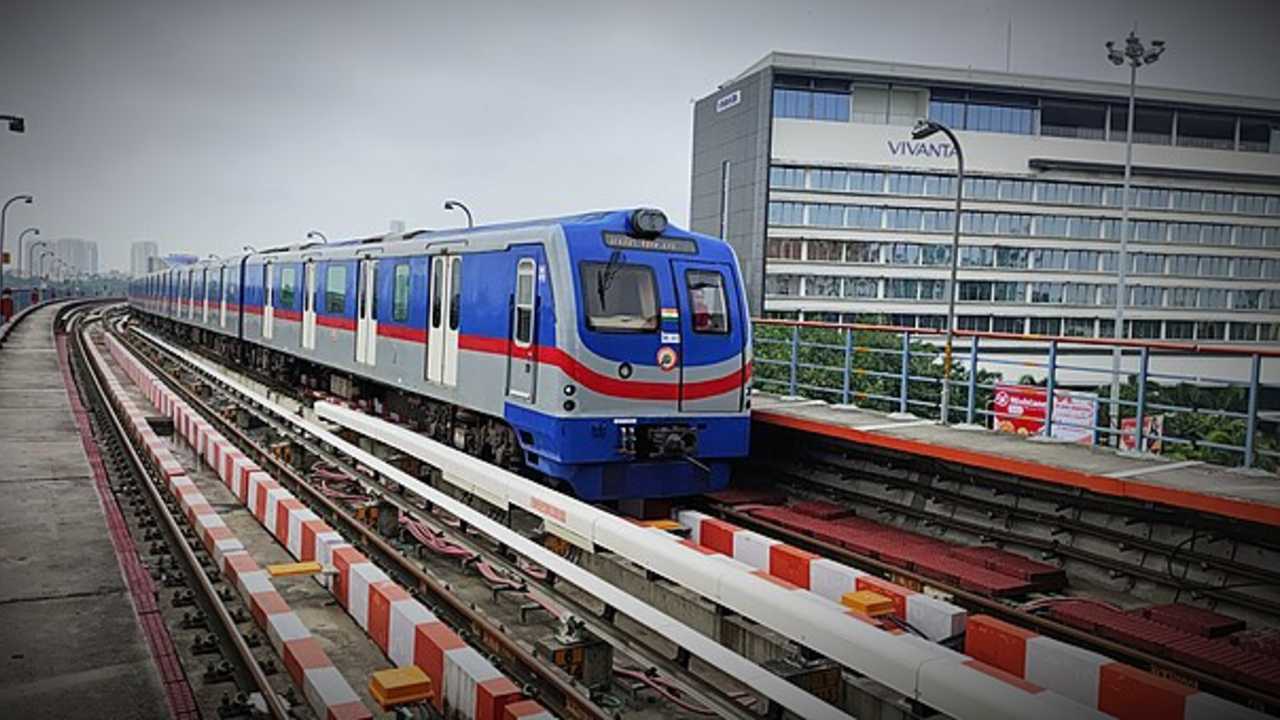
x,y
268,301
309,306
367,311
711,331
522,365
222,297
444,319
191,300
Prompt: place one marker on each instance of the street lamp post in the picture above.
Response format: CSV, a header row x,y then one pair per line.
x,y
456,205
16,124
318,234
44,255
3,212
21,235
1135,54
31,261
922,130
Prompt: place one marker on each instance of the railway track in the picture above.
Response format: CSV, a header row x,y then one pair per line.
x,y
656,684
826,474
205,620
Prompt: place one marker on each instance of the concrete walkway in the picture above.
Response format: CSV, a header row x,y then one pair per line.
x,y
70,642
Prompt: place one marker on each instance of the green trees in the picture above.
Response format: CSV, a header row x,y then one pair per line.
x,y
875,382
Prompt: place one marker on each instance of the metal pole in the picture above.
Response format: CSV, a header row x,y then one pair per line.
x,y
1123,266
906,372
1143,362
795,358
18,265
973,380
1050,388
848,365
951,282
1251,423
31,261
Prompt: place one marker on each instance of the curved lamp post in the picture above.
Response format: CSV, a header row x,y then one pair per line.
x,y
3,212
318,234
31,259
21,235
44,255
922,130
456,205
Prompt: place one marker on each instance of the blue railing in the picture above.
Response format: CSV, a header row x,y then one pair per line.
x,y
1186,400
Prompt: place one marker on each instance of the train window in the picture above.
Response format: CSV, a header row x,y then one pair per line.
x,y
455,290
524,302
708,310
267,299
437,279
335,289
288,286
619,297
400,293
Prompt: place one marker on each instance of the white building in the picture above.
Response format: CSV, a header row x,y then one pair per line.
x,y
806,165
140,254
81,256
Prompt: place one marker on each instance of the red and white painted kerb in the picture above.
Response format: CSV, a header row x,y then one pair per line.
x,y
326,691
936,619
465,683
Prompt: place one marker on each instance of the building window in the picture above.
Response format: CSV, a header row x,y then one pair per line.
x,y
1011,257
939,220
1248,267
903,218
826,215
786,177
1211,330
906,183
861,288
1184,297
862,252
1213,298
1184,265
866,181
1077,327
1246,331
1187,200
865,217
1152,126
1207,131
1145,296
975,256
982,188
933,289
784,249
1216,235
1144,329
935,254
786,213
810,105
1009,292
822,286
1046,292
1179,330
901,289
974,323
782,285
1246,299
940,185
1046,259
1046,326
1063,118
823,251
1215,266
1016,325
1148,263
1249,236
975,290
904,254
1251,204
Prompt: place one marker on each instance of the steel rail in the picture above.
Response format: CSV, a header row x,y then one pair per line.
x,y
572,699
229,629
972,600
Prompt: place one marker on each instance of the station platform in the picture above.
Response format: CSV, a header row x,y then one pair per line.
x,y
1236,493
71,642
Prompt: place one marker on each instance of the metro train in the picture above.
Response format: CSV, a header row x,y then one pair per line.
x,y
608,351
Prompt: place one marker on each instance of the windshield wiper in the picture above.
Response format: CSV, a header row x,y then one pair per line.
x,y
604,278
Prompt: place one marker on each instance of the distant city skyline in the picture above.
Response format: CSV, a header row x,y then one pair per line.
x,y
206,127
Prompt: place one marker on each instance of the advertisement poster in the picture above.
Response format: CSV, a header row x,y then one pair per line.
x,y
1152,432
1020,409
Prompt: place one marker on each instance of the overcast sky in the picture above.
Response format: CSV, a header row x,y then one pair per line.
x,y
205,125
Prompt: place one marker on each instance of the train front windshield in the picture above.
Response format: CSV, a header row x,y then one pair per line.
x,y
620,297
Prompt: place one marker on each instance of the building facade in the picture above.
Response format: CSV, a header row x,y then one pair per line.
x,y
80,255
140,254
806,166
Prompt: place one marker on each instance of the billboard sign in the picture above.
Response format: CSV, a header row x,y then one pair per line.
x,y
1020,409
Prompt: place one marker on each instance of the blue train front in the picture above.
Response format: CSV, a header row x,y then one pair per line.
x,y
607,351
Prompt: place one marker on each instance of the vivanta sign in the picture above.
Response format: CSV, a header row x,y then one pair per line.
x,y
919,148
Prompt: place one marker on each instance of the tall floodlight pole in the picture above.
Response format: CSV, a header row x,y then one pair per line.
x,y
923,129
3,212
456,205
18,265
1135,54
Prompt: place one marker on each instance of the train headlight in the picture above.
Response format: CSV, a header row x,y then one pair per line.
x,y
569,390
648,222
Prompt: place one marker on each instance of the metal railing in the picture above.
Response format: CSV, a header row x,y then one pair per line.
x,y
1186,400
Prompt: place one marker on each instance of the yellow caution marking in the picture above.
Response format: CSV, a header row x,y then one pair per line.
x,y
395,687
300,568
